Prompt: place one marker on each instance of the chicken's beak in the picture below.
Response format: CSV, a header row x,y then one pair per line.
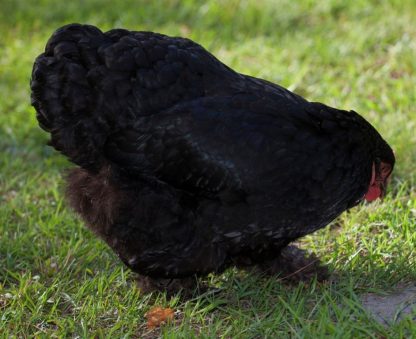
x,y
384,178
383,188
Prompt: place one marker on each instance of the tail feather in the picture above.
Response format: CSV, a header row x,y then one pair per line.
x,y
63,97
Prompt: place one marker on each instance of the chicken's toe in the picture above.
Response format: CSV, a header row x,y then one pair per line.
x,y
185,286
294,265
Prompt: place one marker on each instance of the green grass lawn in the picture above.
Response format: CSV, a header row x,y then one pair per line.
x,y
57,279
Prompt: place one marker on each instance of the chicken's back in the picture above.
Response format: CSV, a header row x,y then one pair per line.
x,y
89,84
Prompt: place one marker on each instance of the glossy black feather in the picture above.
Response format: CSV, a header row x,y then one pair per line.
x,y
187,166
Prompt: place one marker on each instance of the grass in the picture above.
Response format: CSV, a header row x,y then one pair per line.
x,y
57,279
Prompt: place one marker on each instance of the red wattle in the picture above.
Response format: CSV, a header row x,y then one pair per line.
x,y
373,193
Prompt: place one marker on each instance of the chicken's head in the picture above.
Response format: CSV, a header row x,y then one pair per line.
x,y
380,177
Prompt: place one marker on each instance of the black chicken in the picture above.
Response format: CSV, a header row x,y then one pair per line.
x,y
187,167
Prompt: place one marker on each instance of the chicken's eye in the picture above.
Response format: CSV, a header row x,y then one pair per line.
x,y
385,169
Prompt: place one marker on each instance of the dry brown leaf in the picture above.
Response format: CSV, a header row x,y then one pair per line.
x,y
158,316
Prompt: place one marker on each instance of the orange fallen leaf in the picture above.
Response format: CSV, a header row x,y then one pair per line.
x,y
158,316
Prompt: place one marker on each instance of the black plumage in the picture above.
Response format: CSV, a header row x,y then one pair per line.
x,y
186,166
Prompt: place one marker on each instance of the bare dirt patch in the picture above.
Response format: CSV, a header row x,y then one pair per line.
x,y
391,307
